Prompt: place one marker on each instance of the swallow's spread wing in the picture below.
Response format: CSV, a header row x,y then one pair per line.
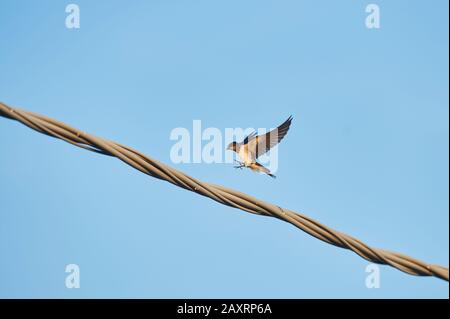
x,y
261,144
249,137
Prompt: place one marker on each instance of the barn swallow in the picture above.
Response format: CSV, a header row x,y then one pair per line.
x,y
254,146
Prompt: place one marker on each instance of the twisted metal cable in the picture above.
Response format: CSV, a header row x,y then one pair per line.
x,y
219,193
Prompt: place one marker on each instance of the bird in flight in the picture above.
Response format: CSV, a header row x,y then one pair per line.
x,y
254,146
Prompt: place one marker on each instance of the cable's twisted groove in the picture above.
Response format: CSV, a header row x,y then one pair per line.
x,y
219,193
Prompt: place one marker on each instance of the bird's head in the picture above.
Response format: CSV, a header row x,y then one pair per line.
x,y
232,146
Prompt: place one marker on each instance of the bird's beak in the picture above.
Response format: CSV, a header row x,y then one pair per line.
x,y
229,147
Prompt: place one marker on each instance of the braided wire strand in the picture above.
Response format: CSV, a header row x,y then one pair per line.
x,y
218,193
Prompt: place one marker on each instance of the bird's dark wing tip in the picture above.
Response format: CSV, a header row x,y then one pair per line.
x,y
287,123
249,137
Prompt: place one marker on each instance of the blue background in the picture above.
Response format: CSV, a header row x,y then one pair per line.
x,y
367,153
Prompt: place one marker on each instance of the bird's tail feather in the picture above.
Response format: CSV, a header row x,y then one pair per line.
x,y
260,168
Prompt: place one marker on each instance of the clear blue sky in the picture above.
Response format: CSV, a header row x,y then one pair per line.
x,y
367,152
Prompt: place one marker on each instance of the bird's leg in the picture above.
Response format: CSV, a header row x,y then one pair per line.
x,y
240,164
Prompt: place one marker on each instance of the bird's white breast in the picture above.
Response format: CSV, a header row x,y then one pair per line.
x,y
245,155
